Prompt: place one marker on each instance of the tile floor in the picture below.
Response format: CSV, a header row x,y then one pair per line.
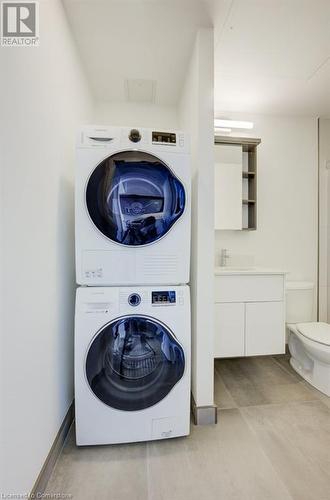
x,y
272,442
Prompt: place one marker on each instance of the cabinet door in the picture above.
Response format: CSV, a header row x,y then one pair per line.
x,y
229,330
228,186
264,328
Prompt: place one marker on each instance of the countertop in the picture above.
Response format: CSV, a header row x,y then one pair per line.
x,y
225,271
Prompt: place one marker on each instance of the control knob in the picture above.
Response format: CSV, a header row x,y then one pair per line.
x,y
134,299
134,135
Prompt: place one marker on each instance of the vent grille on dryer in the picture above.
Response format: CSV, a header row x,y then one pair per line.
x,y
160,265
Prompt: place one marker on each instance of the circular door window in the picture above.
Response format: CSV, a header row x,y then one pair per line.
x,y
133,198
133,363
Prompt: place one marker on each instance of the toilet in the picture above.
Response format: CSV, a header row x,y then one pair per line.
x,y
309,341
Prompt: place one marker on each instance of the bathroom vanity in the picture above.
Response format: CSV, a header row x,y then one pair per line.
x,y
249,312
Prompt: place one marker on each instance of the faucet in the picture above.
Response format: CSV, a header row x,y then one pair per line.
x,y
224,257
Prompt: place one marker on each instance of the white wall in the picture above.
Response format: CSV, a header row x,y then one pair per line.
x,y
44,97
135,114
286,237
324,223
196,116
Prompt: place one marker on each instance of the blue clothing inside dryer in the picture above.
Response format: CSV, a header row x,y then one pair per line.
x,y
134,202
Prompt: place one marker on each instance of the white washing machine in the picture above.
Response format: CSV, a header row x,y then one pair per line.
x,y
132,207
132,364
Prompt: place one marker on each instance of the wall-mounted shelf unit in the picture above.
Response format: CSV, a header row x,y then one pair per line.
x,y
236,155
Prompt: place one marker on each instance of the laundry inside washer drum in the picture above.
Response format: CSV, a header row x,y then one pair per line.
x,y
133,198
133,363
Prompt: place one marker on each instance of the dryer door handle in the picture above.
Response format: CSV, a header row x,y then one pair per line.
x,y
101,139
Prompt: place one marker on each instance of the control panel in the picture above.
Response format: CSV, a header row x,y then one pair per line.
x,y
163,138
167,297
117,137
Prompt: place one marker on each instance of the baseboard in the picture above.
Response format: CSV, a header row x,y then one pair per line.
x,y
204,415
48,467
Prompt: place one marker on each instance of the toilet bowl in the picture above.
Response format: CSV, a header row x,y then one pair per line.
x,y
309,342
309,346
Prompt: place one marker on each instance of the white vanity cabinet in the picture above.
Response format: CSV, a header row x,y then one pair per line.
x,y
249,313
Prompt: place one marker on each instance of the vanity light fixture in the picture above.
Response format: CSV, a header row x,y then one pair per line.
x,y
219,122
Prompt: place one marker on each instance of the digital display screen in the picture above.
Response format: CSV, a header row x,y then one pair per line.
x,y
167,297
164,137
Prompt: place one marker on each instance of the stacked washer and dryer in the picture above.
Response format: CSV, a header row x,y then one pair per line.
x,y
132,323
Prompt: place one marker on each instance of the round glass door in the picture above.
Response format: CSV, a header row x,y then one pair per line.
x,y
133,363
133,198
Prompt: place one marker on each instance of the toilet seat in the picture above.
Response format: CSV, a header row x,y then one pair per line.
x,y
318,332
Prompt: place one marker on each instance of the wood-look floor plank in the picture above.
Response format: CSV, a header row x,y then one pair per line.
x,y
296,439
260,381
116,472
216,462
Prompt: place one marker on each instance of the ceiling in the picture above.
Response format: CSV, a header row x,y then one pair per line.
x,y
272,56
130,46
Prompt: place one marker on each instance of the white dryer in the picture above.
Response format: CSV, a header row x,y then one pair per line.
x,y
132,207
132,364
